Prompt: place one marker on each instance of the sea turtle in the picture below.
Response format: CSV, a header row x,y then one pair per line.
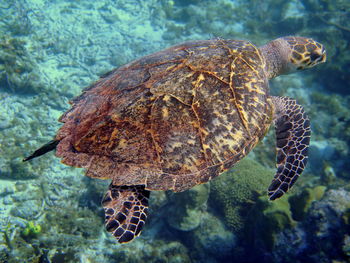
x,y
182,116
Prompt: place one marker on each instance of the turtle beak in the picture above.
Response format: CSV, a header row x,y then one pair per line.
x,y
324,55
318,56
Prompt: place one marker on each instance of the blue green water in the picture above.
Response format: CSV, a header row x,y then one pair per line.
x,y
49,212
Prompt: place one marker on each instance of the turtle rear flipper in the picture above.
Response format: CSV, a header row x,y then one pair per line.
x,y
126,209
293,138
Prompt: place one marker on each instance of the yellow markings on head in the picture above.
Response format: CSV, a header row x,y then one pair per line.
x,y
305,52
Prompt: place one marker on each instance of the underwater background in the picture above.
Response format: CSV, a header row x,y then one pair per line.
x,y
49,212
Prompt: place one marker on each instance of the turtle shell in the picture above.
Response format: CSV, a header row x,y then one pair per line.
x,y
170,120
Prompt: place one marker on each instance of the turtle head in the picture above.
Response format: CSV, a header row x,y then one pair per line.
x,y
289,54
305,52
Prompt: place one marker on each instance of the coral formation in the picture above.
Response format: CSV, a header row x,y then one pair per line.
x,y
17,69
332,111
186,208
31,229
267,220
301,202
156,251
326,226
213,237
234,193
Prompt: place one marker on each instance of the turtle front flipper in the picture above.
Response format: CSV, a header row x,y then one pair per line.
x,y
126,209
293,138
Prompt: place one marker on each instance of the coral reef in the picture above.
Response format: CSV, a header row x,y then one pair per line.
x,y
301,202
213,237
31,229
186,208
18,71
266,221
157,251
319,235
332,111
234,192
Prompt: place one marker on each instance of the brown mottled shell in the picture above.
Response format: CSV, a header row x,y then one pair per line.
x,y
172,119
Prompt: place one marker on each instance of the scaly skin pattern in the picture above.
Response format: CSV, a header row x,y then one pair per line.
x,y
126,209
170,120
293,138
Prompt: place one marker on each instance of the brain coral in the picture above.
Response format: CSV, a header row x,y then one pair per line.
x,y
234,192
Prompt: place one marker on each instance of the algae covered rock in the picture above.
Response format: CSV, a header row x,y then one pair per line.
x,y
327,218
318,232
18,71
185,213
27,209
267,220
300,203
323,234
234,192
213,237
153,252
74,221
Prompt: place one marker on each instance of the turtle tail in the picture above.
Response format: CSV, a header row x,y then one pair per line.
x,y
51,145
126,209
